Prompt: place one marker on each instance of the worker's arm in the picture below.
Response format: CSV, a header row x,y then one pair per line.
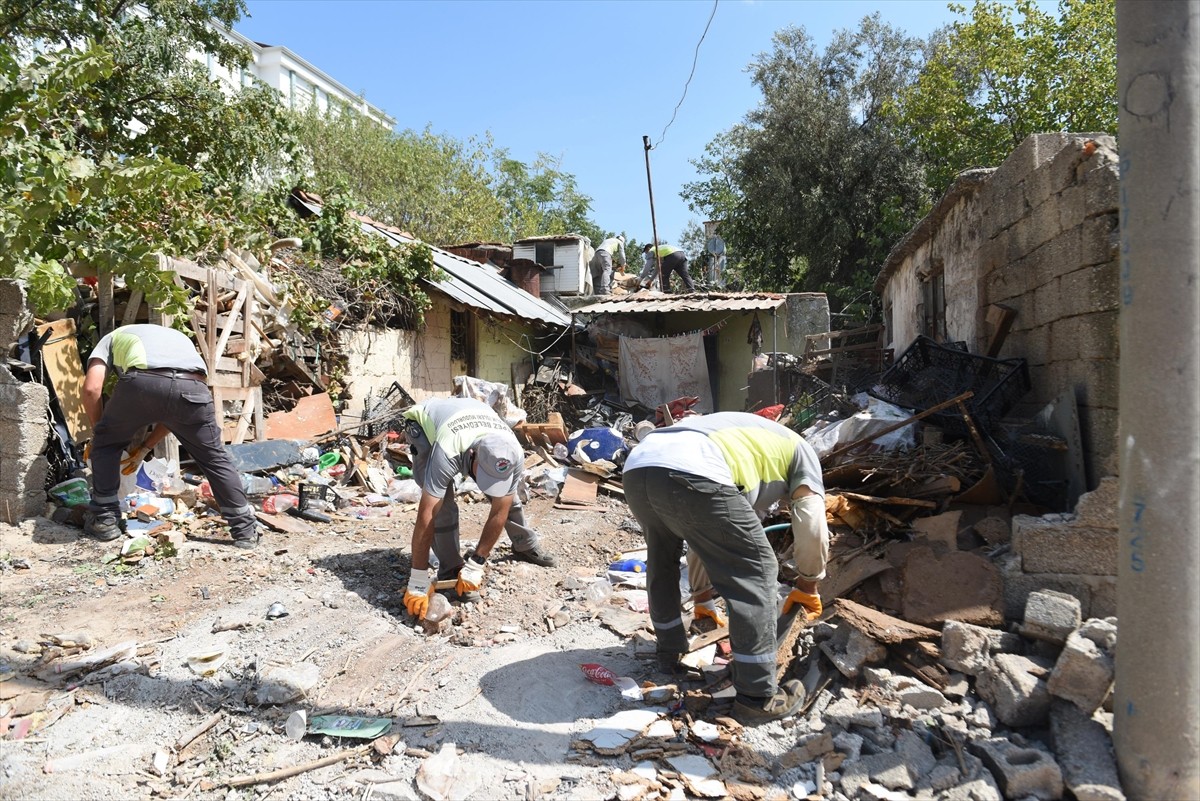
x,y
93,387
156,436
420,589
422,538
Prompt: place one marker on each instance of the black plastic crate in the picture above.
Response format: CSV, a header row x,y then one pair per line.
x,y
929,373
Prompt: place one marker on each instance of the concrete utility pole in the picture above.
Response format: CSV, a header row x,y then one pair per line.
x,y
1157,702
653,222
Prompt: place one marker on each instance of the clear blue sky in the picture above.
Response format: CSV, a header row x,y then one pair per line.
x,y
579,79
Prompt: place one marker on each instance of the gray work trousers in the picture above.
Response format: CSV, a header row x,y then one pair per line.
x,y
446,545
185,407
676,263
602,272
718,523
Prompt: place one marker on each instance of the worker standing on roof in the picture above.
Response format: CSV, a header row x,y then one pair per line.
x,y
706,481
462,436
610,250
673,260
163,381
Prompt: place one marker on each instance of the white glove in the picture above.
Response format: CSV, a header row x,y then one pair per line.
x,y
417,593
470,577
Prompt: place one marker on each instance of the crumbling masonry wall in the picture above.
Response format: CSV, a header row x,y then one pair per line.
x,y
1071,553
24,421
1039,234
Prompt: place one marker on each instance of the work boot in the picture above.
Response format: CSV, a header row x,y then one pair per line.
x,y
103,526
246,543
753,711
535,556
452,594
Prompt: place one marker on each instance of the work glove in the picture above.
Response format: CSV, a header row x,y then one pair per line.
x,y
417,594
470,576
129,465
709,610
811,603
87,451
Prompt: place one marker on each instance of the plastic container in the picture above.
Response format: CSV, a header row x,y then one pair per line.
x,y
72,492
404,471
629,566
257,486
278,504
165,506
598,593
328,460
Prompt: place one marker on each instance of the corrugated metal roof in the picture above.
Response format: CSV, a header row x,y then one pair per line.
x,y
698,301
552,238
471,283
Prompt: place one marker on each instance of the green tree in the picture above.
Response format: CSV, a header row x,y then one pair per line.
x,y
431,185
540,198
814,186
1006,72
156,101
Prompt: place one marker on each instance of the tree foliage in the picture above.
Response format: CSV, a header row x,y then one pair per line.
x,y
441,189
813,186
1008,71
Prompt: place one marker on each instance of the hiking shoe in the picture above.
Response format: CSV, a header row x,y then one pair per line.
x,y
535,556
103,526
246,543
750,711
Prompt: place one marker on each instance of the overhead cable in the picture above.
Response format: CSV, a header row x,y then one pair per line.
x,y
695,59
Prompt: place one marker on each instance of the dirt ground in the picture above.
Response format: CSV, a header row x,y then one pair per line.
x,y
506,689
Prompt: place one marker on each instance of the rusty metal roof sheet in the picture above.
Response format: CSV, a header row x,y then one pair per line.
x,y
697,301
471,283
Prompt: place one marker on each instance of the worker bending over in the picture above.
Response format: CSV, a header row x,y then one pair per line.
x,y
707,481
462,436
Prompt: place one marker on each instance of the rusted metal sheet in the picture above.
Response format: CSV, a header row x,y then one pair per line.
x,y
699,301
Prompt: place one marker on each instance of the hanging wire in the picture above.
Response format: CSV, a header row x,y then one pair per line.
x,y
695,59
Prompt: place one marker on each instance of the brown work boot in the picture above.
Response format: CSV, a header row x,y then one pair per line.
x,y
753,711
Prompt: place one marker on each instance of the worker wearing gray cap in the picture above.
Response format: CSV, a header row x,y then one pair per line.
x,y
449,437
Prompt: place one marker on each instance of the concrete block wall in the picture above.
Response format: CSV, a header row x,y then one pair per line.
x,y
1072,553
1050,231
24,420
806,313
1038,234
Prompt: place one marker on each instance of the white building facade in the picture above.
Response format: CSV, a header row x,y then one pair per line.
x,y
299,82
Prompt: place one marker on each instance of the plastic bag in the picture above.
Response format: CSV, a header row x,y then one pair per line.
x,y
403,490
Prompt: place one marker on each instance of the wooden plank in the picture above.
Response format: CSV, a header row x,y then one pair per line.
x,y
233,320
201,339
892,501
882,627
260,426
708,638
1000,317
210,321
285,523
243,424
131,309
580,488
60,358
874,435
227,326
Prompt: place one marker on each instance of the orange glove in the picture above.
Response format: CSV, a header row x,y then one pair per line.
x,y
87,451
470,577
417,594
811,603
130,465
709,610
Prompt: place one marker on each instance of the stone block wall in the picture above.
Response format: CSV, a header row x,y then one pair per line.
x,y
1072,553
419,360
1038,234
24,420
1051,232
806,313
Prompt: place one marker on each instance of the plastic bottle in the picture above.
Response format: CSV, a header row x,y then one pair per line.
x,y
257,486
629,566
278,504
404,471
598,593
